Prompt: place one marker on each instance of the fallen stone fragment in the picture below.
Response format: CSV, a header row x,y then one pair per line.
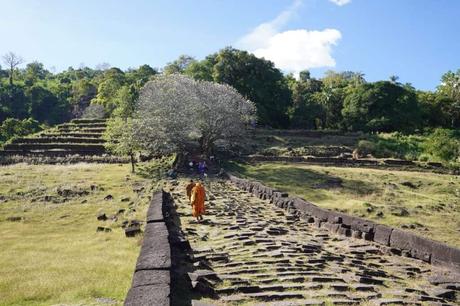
x,y
14,218
101,216
132,231
103,229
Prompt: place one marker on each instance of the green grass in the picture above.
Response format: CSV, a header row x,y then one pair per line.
x,y
54,255
432,203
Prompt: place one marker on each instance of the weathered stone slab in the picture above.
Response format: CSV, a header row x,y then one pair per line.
x,y
151,277
362,225
401,239
444,277
155,254
443,254
155,211
132,231
157,295
155,229
382,234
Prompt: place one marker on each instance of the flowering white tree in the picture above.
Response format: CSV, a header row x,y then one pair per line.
x,y
175,111
221,114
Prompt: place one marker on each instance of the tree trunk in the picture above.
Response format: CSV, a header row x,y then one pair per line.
x,y
132,163
11,76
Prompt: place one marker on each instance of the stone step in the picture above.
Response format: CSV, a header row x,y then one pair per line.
x,y
263,296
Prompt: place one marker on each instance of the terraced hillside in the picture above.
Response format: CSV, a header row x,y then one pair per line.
x,y
248,252
295,143
78,137
326,148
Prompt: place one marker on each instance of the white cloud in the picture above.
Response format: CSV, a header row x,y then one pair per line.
x,y
292,50
297,50
260,36
340,2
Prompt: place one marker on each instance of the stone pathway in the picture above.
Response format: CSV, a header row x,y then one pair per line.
x,y
248,252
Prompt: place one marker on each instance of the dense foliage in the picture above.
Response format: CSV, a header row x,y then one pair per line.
x,y
52,98
442,145
12,127
338,100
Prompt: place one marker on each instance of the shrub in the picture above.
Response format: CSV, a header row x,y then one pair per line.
x,y
12,127
394,145
443,144
367,147
424,157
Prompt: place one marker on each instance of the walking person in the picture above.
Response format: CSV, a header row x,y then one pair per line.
x,y
189,188
197,201
202,168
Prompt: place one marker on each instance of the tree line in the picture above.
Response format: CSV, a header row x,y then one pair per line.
x,y
338,100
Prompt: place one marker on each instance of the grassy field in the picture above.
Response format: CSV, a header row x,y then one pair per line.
x,y
50,251
425,203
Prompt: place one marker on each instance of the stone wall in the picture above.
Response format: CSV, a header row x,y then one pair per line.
x,y
151,283
393,240
349,162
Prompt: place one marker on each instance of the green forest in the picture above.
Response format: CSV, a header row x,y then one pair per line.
x,y
32,97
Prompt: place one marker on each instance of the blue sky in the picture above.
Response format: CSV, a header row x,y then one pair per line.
x,y
417,40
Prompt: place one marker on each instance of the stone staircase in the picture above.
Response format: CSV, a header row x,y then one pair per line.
x,y
78,137
249,252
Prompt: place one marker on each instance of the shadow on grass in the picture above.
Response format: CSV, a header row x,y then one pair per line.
x,y
309,182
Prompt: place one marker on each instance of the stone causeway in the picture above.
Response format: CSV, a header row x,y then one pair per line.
x,y
249,251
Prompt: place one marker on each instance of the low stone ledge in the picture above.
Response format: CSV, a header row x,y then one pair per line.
x,y
401,242
382,234
151,277
157,295
151,283
155,211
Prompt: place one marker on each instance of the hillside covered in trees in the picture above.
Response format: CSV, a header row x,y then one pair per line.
x,y
31,96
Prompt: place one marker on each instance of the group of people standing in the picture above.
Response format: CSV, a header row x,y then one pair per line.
x,y
196,195
201,167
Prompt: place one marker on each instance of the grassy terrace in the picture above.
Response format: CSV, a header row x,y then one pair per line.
x,y
297,143
53,254
425,203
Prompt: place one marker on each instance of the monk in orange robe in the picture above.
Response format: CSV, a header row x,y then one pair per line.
x,y
189,188
197,201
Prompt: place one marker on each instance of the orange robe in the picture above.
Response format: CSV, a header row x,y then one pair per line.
x,y
189,190
197,200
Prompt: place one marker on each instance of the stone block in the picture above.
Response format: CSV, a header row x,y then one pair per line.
x,y
132,231
332,227
401,240
155,211
155,254
445,255
152,230
157,295
362,225
344,231
151,277
422,248
368,236
382,234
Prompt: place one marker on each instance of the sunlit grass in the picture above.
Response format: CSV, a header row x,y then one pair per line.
x,y
54,254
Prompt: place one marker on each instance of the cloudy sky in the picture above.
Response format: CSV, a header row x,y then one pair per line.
x,y
417,40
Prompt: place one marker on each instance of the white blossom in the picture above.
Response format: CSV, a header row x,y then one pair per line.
x,y
174,112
